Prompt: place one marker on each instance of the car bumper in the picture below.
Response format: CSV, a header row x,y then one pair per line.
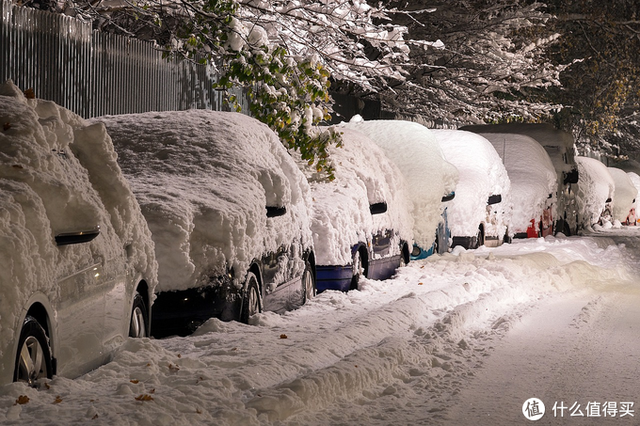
x,y
182,312
331,277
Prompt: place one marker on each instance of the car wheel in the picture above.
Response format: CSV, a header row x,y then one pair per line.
x,y
480,237
33,360
357,271
252,303
308,283
404,256
138,326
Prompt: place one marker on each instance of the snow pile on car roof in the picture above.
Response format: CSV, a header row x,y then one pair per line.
x,y
532,175
429,177
45,190
482,174
625,194
341,214
595,187
204,180
558,143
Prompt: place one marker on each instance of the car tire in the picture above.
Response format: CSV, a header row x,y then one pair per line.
x,y
358,270
252,301
33,360
404,256
308,283
480,237
138,326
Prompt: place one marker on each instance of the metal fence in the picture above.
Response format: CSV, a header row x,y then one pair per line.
x,y
92,73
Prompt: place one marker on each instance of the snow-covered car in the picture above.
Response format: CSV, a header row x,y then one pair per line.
x,y
228,210
635,179
560,148
596,189
624,197
533,183
480,214
430,178
77,266
361,223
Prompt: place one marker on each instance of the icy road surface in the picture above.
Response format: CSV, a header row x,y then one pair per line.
x,y
464,338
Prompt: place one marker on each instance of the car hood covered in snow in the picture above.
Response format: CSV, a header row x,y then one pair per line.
x,y
204,180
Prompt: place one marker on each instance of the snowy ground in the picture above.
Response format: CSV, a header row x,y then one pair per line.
x,y
463,338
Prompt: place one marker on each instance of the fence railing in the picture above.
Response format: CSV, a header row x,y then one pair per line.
x,y
92,73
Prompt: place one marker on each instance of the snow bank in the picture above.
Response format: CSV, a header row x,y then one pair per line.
x,y
595,187
482,174
341,214
362,357
59,175
415,150
531,173
204,179
625,194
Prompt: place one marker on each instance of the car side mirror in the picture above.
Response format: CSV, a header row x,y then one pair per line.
x,y
450,196
494,199
78,237
276,211
378,208
571,177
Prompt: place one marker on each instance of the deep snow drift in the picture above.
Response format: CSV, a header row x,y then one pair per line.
x,y
396,352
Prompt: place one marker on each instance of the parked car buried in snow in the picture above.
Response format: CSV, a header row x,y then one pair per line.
x,y
481,211
228,210
77,268
431,180
635,179
533,183
560,148
361,223
624,197
596,189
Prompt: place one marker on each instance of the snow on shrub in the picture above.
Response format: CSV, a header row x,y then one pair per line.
x,y
341,214
532,175
482,174
414,149
59,174
204,179
624,195
595,187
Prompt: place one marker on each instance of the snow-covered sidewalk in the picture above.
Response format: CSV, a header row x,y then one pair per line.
x,y
401,351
